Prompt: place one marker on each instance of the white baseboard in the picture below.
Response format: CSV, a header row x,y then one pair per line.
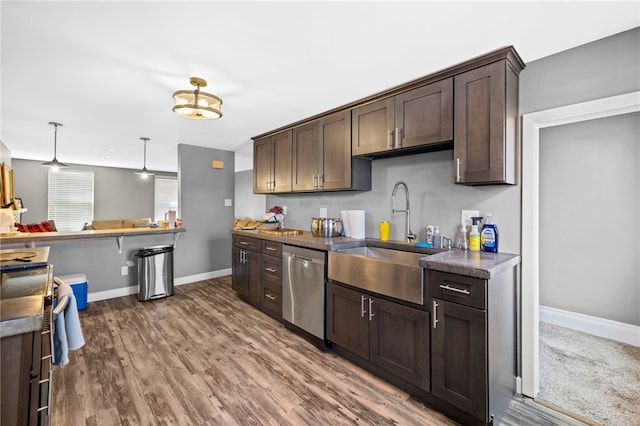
x,y
614,330
129,290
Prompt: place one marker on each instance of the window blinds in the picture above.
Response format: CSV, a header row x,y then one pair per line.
x,y
166,196
70,199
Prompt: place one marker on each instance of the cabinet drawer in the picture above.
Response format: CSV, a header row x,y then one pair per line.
x,y
271,269
272,249
461,289
272,297
247,243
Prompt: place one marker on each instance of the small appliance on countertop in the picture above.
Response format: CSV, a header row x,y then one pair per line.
x,y
11,259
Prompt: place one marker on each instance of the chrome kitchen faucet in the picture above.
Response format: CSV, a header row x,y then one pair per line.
x,y
410,236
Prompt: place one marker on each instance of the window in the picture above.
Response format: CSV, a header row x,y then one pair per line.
x,y
166,196
70,198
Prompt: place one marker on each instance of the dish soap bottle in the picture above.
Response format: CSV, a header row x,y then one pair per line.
x,y
474,235
489,235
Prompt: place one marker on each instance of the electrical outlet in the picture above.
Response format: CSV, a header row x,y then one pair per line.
x,y
228,202
466,215
323,212
124,270
285,211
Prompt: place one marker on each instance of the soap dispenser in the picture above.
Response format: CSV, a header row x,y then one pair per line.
x,y
489,235
474,235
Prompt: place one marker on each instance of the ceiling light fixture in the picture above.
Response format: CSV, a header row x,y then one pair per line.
x,y
144,173
54,164
196,104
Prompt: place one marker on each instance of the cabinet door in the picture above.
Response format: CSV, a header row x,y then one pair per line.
x,y
262,165
335,136
245,273
347,319
425,115
306,157
239,272
459,357
373,126
400,341
281,152
485,125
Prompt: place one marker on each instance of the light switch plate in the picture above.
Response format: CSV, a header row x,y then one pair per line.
x,y
323,212
466,215
228,202
124,270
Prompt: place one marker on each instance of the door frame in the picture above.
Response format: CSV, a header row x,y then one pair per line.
x,y
531,125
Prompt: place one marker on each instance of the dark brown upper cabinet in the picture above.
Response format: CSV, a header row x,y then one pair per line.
x,y
486,125
322,156
411,119
272,164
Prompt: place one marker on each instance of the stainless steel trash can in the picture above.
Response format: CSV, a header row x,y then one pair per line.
x,y
155,272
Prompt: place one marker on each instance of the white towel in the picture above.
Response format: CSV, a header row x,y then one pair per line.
x,y
67,333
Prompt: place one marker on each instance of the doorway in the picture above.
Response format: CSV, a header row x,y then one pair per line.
x,y
531,125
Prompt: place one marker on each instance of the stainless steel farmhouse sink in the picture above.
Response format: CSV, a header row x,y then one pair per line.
x,y
23,283
392,273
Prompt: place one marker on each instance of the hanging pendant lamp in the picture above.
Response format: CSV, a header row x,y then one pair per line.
x,y
54,164
196,104
144,173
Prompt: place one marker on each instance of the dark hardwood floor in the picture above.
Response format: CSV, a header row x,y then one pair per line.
x,y
203,357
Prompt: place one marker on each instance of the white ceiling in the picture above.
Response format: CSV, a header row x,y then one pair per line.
x,y
107,70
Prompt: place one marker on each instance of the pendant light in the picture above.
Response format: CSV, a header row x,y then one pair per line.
x,y
54,164
196,104
144,173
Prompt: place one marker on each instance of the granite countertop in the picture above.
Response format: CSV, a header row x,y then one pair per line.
x,y
63,236
306,239
471,263
22,299
474,264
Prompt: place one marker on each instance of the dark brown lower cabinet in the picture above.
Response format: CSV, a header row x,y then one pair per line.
x,y
25,373
245,276
391,336
459,356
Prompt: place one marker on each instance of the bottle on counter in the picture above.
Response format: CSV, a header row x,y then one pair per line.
x,y
474,235
428,235
489,235
463,242
437,243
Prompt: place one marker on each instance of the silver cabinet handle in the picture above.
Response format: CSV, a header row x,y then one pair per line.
x,y
315,181
268,186
371,314
320,181
244,243
398,137
363,310
457,170
435,313
389,135
270,248
270,296
273,186
273,271
457,290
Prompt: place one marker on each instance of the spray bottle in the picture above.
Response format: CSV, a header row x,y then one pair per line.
x,y
474,235
489,235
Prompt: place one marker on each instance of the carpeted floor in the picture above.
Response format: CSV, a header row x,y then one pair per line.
x,y
594,377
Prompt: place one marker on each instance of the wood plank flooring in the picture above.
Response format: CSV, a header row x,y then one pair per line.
x,y
203,357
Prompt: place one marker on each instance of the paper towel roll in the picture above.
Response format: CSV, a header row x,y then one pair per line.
x,y
345,223
356,223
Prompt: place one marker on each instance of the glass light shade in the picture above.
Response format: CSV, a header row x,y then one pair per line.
x,y
197,105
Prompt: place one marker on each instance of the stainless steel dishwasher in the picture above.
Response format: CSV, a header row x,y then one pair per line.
x,y
303,298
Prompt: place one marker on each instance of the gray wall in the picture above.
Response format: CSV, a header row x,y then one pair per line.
x,y
206,244
118,193
247,204
589,218
435,200
603,68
